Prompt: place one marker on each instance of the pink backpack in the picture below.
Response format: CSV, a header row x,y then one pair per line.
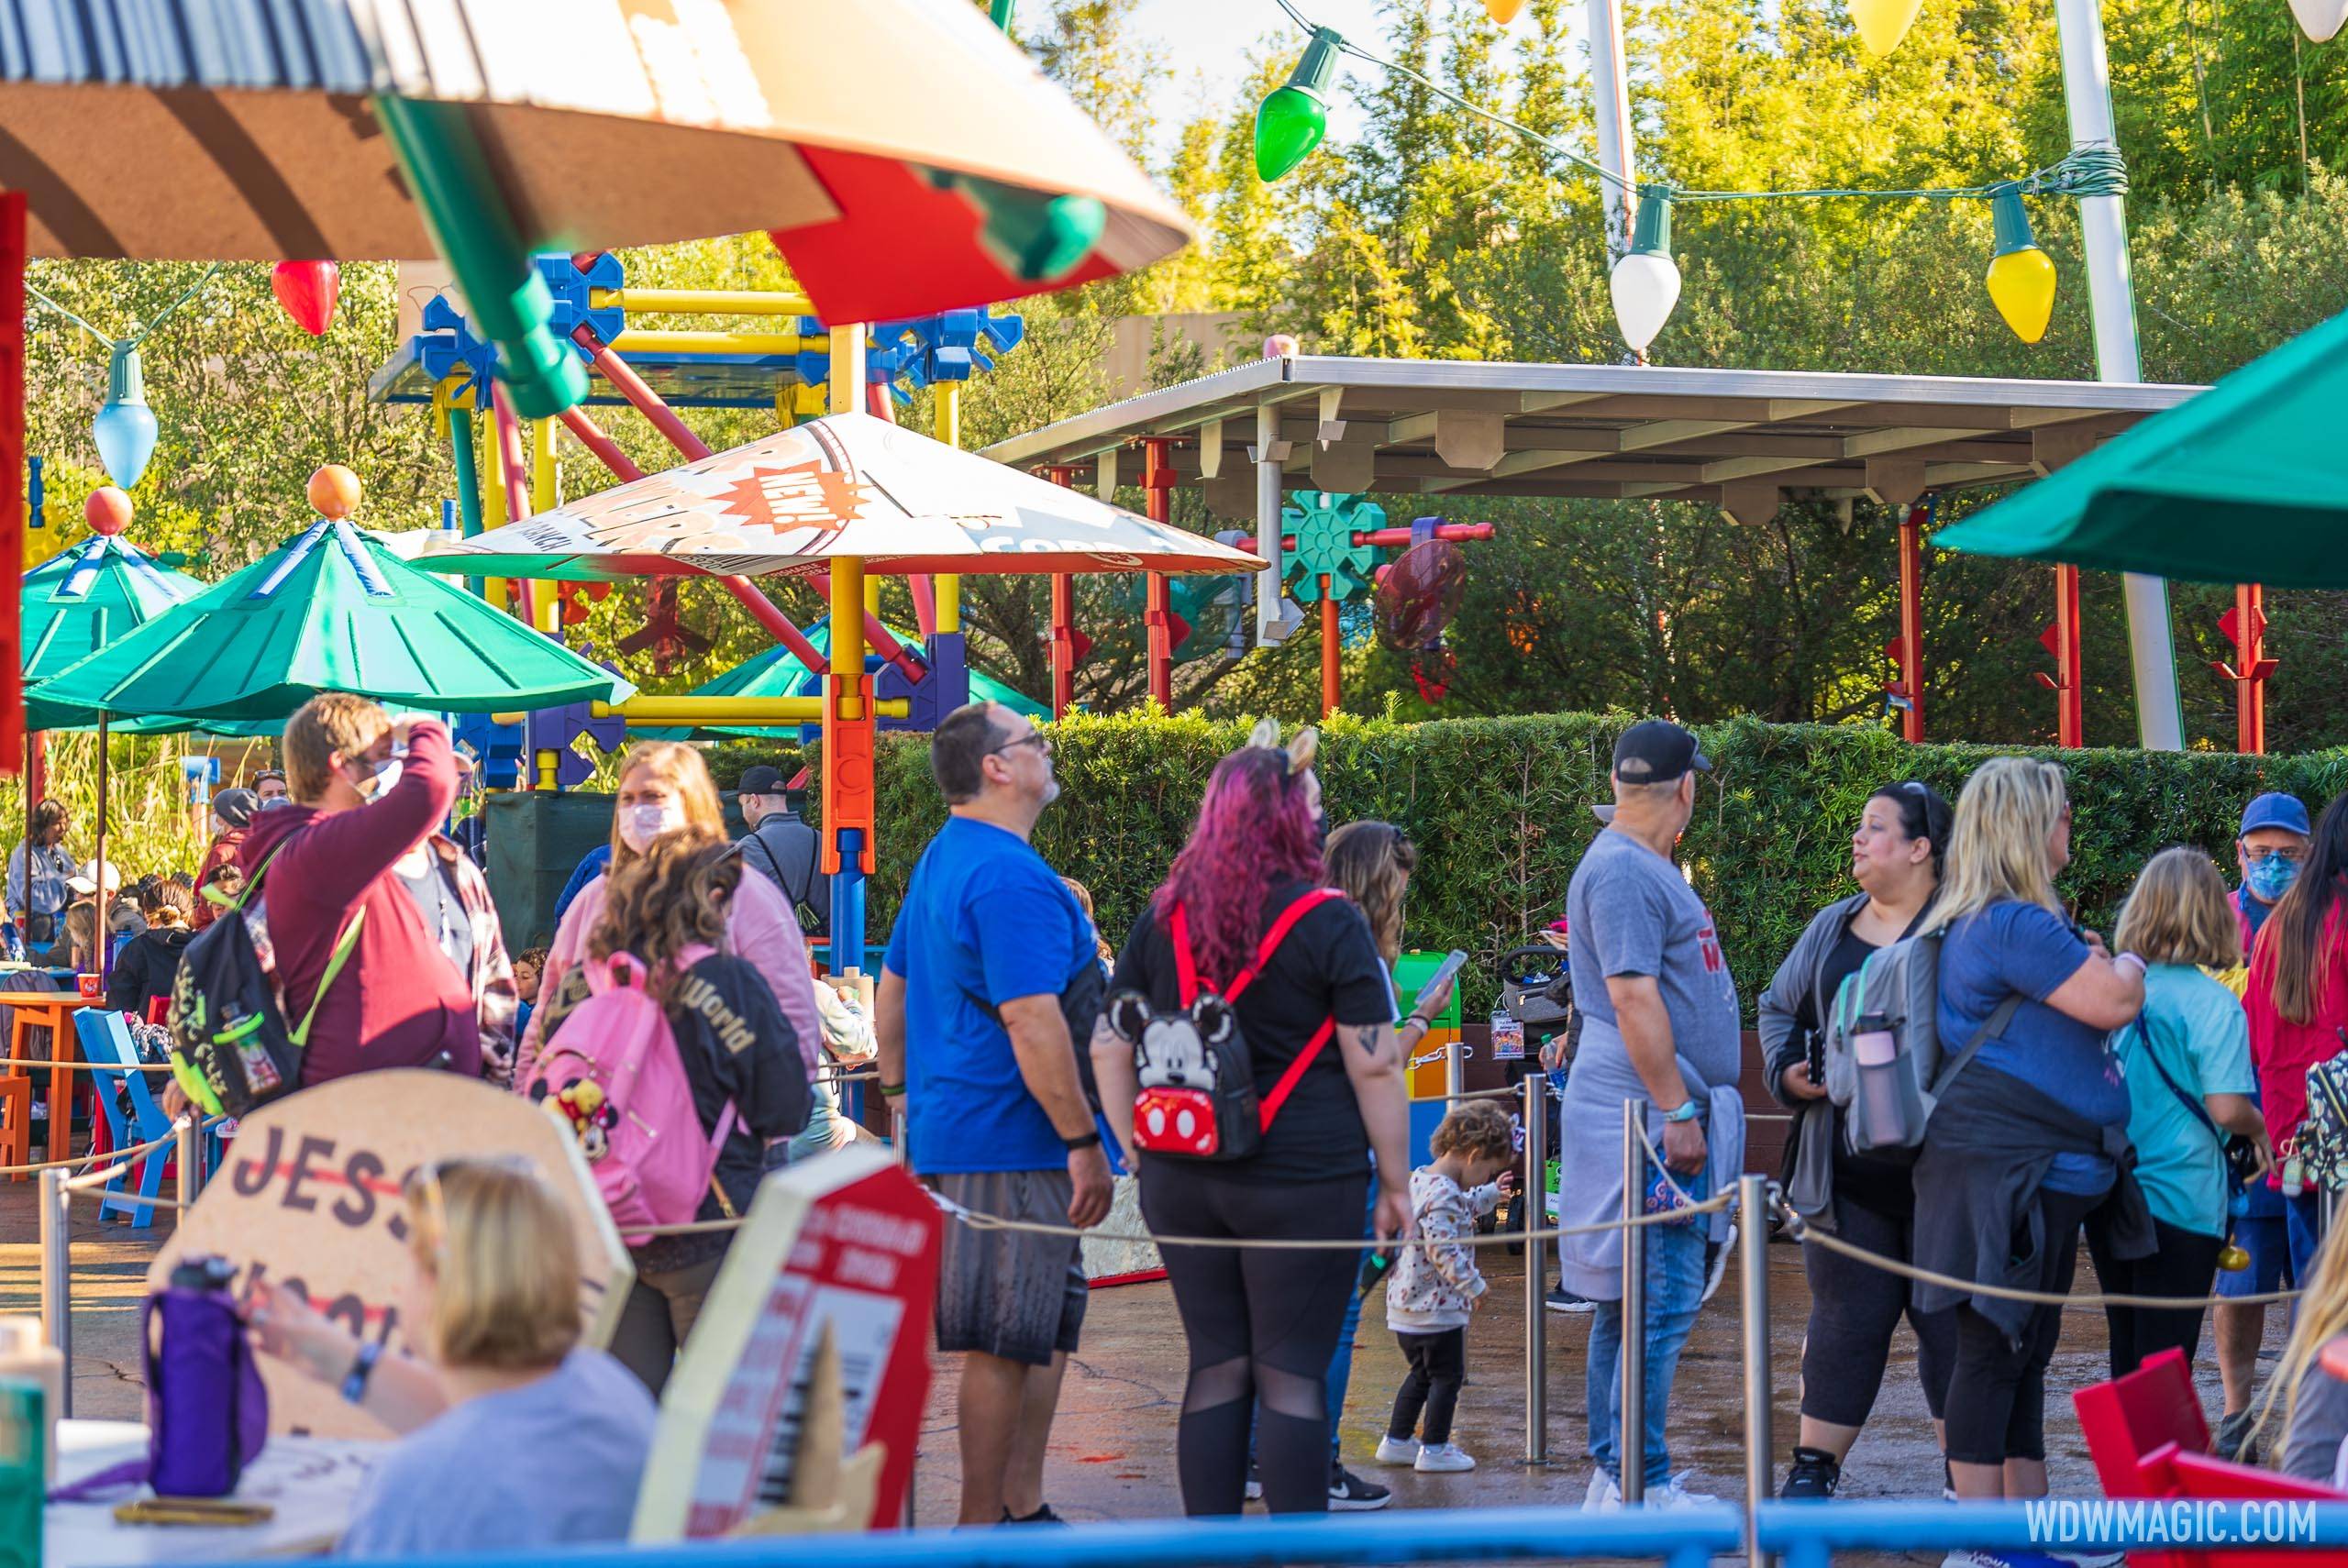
x,y
613,1070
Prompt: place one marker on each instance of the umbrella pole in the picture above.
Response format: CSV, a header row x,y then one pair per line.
x,y
1157,486
103,905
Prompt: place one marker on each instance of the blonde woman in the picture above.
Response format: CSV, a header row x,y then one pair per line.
x,y
498,1371
665,786
2187,1061
2315,1408
2031,1133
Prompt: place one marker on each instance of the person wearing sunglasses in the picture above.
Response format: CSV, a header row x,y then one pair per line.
x,y
491,1369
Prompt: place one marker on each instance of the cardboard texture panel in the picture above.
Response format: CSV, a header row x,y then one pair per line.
x,y
846,1242
309,1195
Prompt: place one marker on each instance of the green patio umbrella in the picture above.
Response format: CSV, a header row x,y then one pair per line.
x,y
2247,482
82,598
331,610
778,673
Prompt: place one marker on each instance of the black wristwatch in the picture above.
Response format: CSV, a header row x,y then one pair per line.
x,y
1089,1141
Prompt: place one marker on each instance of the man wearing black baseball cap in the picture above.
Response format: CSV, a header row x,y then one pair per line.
x,y
782,844
1660,1025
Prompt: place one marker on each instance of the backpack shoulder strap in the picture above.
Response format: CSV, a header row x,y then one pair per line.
x,y
1992,1027
1280,927
343,947
2200,1113
1271,1105
1186,966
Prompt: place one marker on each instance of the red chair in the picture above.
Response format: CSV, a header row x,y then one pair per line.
x,y
2147,1436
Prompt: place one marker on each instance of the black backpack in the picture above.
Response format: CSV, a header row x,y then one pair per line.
x,y
230,1048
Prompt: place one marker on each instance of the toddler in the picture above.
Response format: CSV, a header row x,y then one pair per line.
x,y
1436,1285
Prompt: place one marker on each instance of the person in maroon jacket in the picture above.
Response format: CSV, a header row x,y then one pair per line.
x,y
367,792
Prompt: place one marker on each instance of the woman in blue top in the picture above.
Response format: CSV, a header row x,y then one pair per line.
x,y
497,1378
2187,1060
2031,1134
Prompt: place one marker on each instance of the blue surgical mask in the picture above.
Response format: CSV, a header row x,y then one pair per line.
x,y
2270,877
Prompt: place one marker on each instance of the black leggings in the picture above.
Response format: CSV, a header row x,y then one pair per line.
x,y
1854,1307
1996,1395
1262,1325
1438,1365
2185,1264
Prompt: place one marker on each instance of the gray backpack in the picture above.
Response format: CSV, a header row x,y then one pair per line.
x,y
1888,1092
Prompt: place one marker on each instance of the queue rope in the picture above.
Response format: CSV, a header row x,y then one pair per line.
x,y
123,1155
1802,1230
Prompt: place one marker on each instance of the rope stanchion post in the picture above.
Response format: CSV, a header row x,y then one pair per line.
x,y
1454,1069
1537,1268
1753,1285
57,1280
189,1159
1630,1430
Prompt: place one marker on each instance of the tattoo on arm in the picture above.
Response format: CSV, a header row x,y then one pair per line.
x,y
1373,1040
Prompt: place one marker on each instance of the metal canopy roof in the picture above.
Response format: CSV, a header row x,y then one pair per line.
x,y
1732,438
683,381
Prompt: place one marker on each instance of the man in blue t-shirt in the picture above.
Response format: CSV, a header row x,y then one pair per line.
x,y
973,1037
2269,846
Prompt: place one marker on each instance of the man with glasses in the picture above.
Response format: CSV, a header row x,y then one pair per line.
x,y
2270,847
974,1037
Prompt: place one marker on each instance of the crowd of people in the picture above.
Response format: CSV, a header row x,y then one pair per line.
x,y
1242,1052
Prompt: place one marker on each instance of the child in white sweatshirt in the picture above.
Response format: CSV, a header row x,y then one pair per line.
x,y
1436,1285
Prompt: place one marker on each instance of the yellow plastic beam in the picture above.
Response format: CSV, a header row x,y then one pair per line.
x,y
700,302
633,341
948,585
848,633
546,494
711,711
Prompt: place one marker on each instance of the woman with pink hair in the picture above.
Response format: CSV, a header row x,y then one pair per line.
x,y
1249,1061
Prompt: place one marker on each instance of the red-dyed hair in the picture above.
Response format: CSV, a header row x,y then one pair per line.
x,y
1253,832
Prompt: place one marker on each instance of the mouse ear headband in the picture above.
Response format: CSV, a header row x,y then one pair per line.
x,y
1298,751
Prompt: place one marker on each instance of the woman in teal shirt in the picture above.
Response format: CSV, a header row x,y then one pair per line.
x,y
2187,1059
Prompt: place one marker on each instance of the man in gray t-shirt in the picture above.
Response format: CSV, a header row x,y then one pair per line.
x,y
1659,1025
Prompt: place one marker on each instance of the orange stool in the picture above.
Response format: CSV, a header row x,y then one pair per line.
x,y
15,1121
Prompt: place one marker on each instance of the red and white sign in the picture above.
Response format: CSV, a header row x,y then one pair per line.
x,y
846,1239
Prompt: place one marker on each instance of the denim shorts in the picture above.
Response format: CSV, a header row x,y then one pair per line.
x,y
2264,1238
1011,1294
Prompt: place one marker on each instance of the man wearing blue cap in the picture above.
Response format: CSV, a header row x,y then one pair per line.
x,y
2271,845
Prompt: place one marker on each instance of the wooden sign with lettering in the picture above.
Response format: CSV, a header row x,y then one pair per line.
x,y
839,1251
308,1196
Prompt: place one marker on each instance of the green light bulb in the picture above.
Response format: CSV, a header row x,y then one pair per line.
x,y
1291,123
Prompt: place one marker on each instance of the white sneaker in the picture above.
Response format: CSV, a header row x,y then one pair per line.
x,y
1674,1495
1398,1450
2090,1558
1605,1496
1443,1458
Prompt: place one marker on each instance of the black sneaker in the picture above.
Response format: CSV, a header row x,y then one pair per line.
x,y
1349,1494
1042,1516
2232,1433
1813,1477
1564,1301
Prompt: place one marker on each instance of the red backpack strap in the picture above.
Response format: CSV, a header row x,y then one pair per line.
x,y
1270,1105
1186,967
1278,935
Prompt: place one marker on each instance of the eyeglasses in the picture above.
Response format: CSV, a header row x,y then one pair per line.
x,y
1032,737
2293,854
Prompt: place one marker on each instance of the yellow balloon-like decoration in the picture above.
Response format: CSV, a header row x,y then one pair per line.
x,y
1503,11
2021,277
1883,23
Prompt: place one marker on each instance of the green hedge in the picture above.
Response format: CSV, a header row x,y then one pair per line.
x,y
1500,810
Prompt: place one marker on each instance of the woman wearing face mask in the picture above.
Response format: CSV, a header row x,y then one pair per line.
x,y
664,787
2297,1003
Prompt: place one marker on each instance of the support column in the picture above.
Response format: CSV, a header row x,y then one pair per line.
x,y
2062,640
546,494
1269,453
1911,622
1158,485
12,482
848,855
1063,628
2245,626
1332,652
948,587
2103,227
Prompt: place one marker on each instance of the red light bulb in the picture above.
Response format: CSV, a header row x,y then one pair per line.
x,y
308,291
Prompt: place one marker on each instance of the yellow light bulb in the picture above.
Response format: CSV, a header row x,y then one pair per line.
x,y
1883,23
2021,285
1503,11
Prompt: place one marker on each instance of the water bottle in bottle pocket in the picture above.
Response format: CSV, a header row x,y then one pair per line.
x,y
1888,1110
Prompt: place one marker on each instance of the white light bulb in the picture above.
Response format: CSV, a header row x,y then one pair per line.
x,y
2320,18
1645,286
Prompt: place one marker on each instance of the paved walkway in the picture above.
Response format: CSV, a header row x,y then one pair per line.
x,y
1112,1449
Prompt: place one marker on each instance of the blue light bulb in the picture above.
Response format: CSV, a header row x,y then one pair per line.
x,y
125,428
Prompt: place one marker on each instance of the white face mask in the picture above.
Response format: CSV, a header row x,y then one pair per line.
x,y
639,825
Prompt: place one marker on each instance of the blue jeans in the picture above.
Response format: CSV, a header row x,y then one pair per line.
x,y
1674,1288
2303,1224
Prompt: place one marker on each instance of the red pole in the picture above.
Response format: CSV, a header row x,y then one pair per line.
x,y
513,467
1063,630
1331,679
12,482
2251,667
778,624
2070,716
591,436
1158,485
1911,621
